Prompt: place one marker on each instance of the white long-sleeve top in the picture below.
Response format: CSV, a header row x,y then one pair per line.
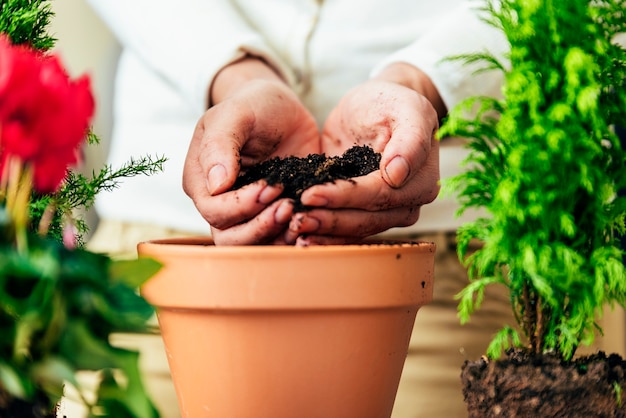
x,y
172,50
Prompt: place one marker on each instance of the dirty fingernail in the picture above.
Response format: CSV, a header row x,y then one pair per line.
x,y
308,225
216,178
315,200
269,194
283,212
397,171
296,222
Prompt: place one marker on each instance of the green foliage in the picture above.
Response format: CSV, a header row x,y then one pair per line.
x,y
79,192
26,22
547,166
59,308
506,338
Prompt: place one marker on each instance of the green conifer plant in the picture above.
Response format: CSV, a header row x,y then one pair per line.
x,y
546,165
26,22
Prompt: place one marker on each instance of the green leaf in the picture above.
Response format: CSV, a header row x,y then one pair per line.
x,y
123,308
129,399
471,297
12,381
134,273
27,327
52,373
86,351
504,339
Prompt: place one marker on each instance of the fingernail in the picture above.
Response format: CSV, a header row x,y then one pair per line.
x,y
296,221
283,212
314,200
304,224
269,194
216,178
311,225
397,171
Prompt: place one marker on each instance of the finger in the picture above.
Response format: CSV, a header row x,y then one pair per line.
x,y
348,223
372,193
212,163
262,229
309,240
216,146
409,148
237,206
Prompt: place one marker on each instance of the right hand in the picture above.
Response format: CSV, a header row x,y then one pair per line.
x,y
396,113
257,119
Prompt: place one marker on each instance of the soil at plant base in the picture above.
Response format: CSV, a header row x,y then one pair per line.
x,y
297,174
524,385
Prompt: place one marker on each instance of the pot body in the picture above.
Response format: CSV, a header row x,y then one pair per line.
x,y
278,331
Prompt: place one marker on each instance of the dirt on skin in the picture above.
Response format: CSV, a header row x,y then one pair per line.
x,y
297,174
524,385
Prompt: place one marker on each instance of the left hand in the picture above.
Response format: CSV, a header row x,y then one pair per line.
x,y
255,116
389,114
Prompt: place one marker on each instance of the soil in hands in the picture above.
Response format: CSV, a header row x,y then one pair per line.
x,y
296,174
525,385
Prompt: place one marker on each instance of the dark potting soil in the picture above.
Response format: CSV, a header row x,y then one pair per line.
x,y
524,385
297,174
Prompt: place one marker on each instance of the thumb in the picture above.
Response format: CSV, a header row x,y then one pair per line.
x,y
396,171
406,152
213,157
218,180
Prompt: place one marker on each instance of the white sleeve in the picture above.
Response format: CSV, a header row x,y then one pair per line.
x,y
460,32
186,42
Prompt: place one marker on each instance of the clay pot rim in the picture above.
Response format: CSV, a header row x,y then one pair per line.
x,y
205,244
243,278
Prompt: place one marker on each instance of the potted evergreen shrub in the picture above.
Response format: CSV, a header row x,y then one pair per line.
x,y
548,168
59,303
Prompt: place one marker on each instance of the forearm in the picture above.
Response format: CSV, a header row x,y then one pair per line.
x,y
412,77
233,76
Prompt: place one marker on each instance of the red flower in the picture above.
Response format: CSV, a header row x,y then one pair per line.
x,y
44,116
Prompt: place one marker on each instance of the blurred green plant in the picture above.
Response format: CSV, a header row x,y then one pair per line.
x,y
59,304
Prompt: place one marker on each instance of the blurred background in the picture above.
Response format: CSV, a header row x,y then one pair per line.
x,y
86,45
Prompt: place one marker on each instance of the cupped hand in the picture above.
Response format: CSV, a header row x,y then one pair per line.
x,y
261,119
396,121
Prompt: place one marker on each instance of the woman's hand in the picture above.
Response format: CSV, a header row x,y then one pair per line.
x,y
256,117
397,114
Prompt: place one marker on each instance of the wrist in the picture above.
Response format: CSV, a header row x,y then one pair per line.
x,y
412,77
234,75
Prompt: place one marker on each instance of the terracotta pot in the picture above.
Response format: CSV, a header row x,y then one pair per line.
x,y
279,331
